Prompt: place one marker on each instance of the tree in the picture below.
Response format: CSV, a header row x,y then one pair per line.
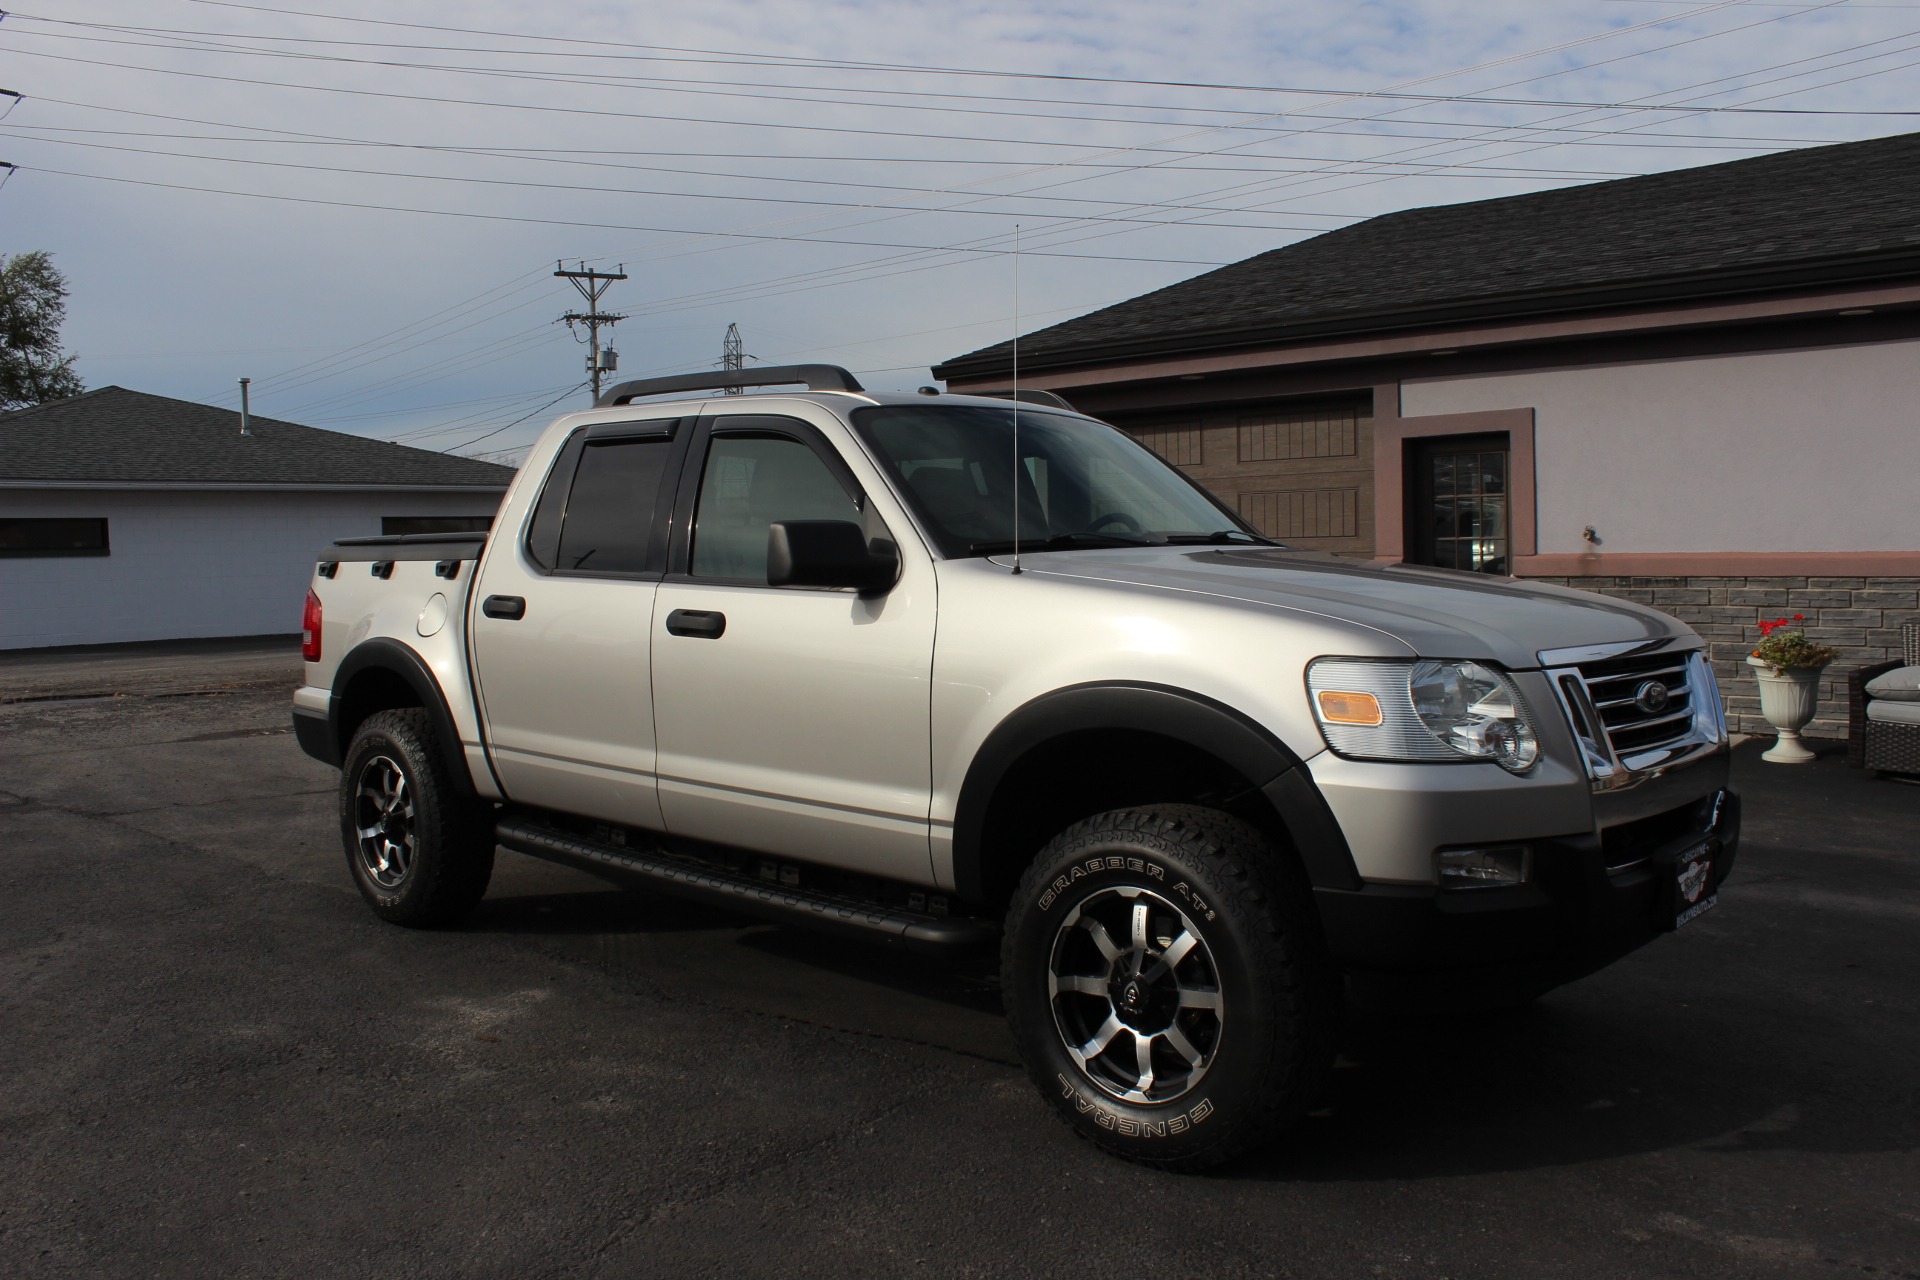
x,y
33,302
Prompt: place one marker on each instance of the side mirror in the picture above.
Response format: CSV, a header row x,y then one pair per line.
x,y
827,553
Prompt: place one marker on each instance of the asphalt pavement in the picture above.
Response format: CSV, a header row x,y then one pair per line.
x,y
215,1061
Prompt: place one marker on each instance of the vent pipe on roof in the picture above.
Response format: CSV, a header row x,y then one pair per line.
x,y
245,430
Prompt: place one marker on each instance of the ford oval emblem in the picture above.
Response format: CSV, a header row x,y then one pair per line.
x,y
1651,697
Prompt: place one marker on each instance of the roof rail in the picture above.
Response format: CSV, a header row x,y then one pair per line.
x,y
818,377
1028,395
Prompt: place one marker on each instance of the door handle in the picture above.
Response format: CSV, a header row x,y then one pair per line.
x,y
511,608
696,622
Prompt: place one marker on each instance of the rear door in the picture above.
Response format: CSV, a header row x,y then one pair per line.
x,y
562,631
792,720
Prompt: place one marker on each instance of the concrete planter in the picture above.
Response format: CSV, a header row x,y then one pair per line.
x,y
1788,698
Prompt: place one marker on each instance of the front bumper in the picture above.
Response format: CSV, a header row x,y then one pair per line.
x,y
1591,898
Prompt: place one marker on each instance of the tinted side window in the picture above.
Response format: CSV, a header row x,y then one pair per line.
x,y
609,513
543,531
748,483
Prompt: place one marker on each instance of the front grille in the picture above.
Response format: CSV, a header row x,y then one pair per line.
x,y
1614,687
1632,844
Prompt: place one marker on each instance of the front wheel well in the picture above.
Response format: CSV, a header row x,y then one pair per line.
x,y
1076,775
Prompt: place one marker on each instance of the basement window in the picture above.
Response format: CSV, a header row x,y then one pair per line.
x,y
26,536
435,524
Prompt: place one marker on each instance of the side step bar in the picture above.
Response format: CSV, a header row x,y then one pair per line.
x,y
691,878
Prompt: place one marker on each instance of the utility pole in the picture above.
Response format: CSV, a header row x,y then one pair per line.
x,y
733,357
591,285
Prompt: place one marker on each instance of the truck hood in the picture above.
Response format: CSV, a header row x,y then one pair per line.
x,y
1437,613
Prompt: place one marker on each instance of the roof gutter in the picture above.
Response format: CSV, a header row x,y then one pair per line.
x,y
1807,274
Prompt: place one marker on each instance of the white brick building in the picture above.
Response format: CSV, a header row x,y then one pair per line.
x,y
126,516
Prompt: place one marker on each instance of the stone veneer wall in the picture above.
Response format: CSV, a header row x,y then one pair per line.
x,y
1861,617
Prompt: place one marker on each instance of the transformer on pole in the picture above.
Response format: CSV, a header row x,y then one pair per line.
x,y
592,284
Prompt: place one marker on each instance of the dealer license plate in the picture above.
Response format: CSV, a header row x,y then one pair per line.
x,y
1692,878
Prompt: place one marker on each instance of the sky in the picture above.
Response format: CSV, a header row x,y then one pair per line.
x,y
360,206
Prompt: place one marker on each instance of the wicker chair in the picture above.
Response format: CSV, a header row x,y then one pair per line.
x,y
1871,744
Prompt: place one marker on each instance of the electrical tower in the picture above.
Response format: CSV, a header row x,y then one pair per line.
x,y
733,356
592,284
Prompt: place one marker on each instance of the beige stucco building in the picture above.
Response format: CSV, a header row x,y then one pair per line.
x,y
1700,389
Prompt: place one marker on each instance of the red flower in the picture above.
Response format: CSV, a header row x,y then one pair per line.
x,y
1799,617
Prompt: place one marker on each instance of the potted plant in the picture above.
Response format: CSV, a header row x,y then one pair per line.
x,y
1788,667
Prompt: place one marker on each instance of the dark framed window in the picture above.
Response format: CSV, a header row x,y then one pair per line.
x,y
750,481
435,524
25,536
1458,502
602,509
609,520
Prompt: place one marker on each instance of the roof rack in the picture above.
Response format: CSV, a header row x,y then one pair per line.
x,y
1027,395
818,377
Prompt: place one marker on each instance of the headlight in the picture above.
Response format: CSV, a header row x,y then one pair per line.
x,y
1414,711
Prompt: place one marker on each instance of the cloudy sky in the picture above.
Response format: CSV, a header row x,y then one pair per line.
x,y
360,205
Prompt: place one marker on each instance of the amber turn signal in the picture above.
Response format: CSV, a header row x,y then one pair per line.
x,y
1349,708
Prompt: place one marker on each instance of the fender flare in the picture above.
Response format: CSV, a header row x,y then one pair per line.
x,y
391,656
1190,718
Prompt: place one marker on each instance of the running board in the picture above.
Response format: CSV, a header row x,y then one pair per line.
x,y
790,904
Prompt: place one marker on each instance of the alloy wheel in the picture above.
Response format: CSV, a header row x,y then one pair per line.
x,y
383,822
1135,995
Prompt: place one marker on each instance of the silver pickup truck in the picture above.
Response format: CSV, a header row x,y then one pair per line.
x,y
949,671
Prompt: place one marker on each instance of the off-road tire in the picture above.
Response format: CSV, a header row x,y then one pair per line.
x,y
429,864
1277,1003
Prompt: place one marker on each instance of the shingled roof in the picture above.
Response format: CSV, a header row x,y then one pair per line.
x,y
1819,215
116,436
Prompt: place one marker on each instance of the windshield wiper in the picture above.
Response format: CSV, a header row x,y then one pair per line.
x,y
1232,537
1063,542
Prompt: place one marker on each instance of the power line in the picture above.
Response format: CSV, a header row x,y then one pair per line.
x,y
322,368
728,57
686,119
437,370
1537,128
516,422
724,88
1374,131
467,421
680,195
600,226
494,400
1059,235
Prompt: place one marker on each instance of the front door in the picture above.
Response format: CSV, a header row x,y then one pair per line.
x,y
560,640
791,720
1457,509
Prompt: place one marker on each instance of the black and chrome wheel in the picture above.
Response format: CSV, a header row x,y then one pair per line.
x,y
418,841
383,822
1135,995
1168,984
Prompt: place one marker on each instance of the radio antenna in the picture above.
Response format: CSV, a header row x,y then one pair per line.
x,y
1016,397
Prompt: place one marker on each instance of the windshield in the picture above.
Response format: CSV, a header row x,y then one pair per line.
x,y
1081,483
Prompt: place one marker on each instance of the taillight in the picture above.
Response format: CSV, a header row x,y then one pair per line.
x,y
310,628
